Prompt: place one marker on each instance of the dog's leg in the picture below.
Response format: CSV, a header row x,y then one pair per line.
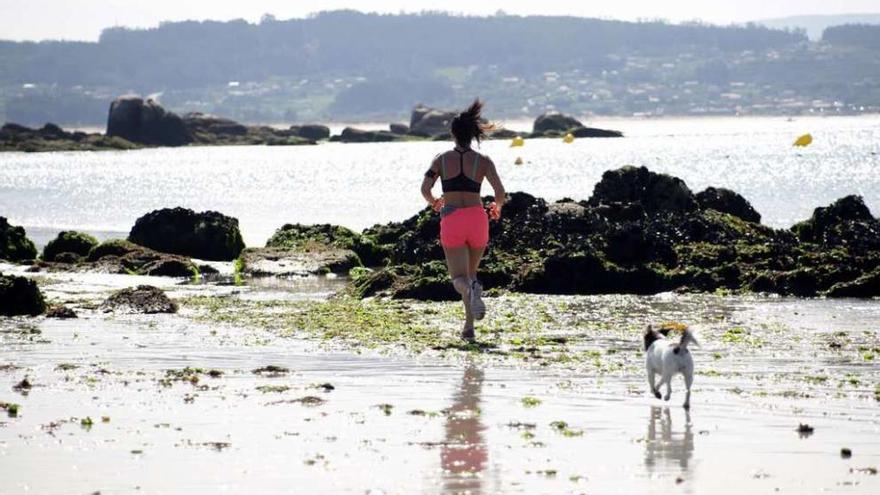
x,y
688,380
667,379
651,382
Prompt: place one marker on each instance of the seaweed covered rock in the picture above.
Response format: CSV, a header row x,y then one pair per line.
x,y
124,257
69,241
206,235
427,282
866,286
300,237
14,244
593,132
554,121
60,312
20,296
146,122
309,259
144,299
652,191
727,201
846,222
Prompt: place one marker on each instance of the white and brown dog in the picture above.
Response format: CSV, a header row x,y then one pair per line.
x,y
669,359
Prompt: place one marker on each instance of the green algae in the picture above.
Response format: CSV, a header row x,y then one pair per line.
x,y
529,401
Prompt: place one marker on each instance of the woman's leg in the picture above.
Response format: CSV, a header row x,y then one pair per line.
x,y
478,308
457,260
475,255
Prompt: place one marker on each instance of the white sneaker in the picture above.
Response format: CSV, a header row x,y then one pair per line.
x,y
478,307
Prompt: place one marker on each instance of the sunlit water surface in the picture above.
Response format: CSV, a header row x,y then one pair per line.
x,y
358,185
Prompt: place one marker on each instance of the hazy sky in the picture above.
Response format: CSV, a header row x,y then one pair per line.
x,y
84,19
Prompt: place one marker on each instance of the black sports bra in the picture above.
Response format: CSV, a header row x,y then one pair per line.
x,y
461,182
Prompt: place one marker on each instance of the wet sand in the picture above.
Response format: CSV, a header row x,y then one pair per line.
x,y
437,421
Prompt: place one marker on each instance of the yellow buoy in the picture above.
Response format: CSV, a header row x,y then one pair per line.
x,y
518,161
804,140
568,139
517,141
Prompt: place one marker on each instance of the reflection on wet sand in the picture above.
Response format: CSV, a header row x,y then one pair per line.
x,y
666,448
464,454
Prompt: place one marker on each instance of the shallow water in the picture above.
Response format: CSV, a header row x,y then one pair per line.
x,y
358,185
223,435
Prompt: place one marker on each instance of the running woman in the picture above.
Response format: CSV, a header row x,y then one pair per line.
x,y
464,224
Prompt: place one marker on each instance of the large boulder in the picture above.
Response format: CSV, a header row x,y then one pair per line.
x,y
727,201
315,132
146,122
144,299
846,222
555,121
866,286
308,238
207,235
20,296
654,192
14,244
429,122
69,241
398,128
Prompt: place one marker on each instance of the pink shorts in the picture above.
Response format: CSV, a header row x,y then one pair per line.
x,y
465,226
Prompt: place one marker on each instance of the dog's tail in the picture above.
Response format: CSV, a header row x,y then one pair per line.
x,y
687,336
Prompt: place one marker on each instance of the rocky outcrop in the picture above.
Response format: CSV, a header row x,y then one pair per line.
x,y
50,137
206,128
143,299
314,132
14,244
727,201
60,312
353,135
592,132
146,122
68,243
639,233
20,296
638,186
555,121
428,122
402,129
845,223
207,235
124,257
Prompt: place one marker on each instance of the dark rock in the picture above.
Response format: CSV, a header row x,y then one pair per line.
x,y
866,286
207,235
654,192
555,121
60,312
112,247
146,122
398,128
14,244
67,257
592,132
20,296
205,127
169,267
313,259
727,201
845,223
142,299
428,122
352,135
69,241
124,257
314,132
52,131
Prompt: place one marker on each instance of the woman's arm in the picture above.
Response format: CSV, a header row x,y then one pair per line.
x,y
495,182
428,183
